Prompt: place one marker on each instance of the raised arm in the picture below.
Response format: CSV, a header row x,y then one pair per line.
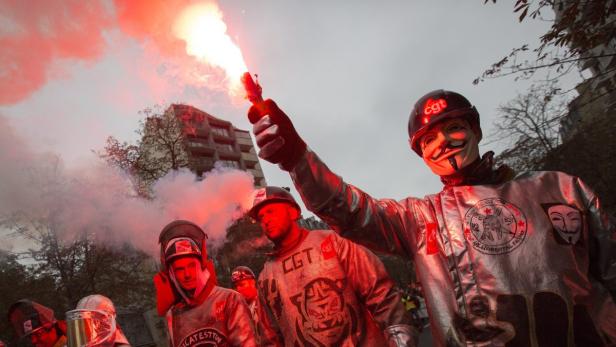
x,y
383,225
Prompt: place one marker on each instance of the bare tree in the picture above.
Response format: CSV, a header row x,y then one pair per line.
x,y
530,124
73,265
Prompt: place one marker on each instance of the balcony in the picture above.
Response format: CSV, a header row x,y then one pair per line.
x,y
256,173
197,147
195,132
242,134
250,157
222,138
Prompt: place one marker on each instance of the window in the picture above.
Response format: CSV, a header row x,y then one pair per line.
x,y
224,147
220,131
230,163
196,144
204,161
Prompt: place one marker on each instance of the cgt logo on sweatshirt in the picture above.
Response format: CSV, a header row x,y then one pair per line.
x,y
206,337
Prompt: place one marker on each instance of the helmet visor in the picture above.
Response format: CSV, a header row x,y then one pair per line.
x,y
87,328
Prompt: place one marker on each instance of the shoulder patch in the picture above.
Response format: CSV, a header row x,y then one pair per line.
x,y
327,248
206,337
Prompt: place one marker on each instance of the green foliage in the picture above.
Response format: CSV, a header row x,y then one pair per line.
x,y
244,245
60,274
401,270
18,281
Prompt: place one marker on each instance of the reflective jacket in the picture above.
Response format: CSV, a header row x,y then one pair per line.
x,y
529,262
319,293
222,319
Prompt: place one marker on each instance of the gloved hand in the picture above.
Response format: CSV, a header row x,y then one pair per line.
x,y
276,137
165,295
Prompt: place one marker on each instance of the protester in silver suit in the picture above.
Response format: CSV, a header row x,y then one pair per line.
x,y
198,312
319,289
245,282
505,260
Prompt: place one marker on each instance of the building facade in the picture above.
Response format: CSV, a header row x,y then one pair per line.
x,y
209,140
596,98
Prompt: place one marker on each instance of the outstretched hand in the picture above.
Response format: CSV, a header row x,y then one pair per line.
x,y
275,134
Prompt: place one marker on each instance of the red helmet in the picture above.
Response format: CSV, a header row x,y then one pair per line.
x,y
28,316
437,106
182,238
270,194
241,273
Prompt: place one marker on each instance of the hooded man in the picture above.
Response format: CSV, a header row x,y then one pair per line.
x,y
93,324
492,261
198,312
37,323
318,289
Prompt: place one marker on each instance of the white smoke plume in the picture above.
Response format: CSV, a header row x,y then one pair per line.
x,y
99,200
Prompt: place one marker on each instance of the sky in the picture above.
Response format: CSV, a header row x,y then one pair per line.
x,y
346,72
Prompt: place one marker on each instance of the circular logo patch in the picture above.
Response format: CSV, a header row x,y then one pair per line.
x,y
495,226
205,337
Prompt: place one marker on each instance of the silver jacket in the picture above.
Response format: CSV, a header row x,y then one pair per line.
x,y
529,262
222,319
324,291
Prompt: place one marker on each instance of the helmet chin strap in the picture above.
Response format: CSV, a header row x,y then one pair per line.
x,y
202,277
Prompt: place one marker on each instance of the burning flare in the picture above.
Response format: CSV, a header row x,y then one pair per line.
x,y
205,33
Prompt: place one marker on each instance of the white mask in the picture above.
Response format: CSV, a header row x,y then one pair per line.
x,y
449,146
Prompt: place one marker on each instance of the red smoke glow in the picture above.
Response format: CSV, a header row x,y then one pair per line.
x,y
35,38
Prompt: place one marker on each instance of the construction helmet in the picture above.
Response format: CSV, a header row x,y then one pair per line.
x,y
182,238
437,106
241,273
28,316
263,196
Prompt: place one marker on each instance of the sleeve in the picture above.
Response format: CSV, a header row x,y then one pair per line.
x,y
372,284
239,323
267,328
381,225
602,239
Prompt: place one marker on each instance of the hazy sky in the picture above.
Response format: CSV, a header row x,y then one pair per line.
x,y
346,72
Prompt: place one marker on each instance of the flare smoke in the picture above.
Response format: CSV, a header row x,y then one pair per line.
x,y
36,190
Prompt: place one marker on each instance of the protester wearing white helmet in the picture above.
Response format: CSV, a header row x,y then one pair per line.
x,y
93,323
